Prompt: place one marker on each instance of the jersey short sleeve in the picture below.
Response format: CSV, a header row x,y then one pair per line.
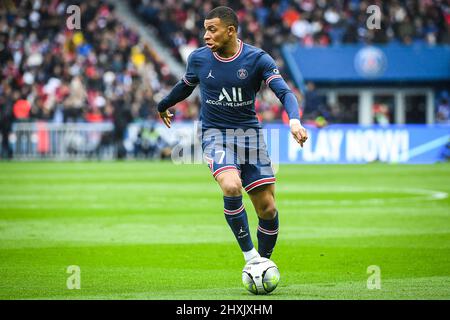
x,y
190,77
268,68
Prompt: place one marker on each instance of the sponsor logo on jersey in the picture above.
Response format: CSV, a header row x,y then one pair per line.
x,y
210,75
231,97
237,95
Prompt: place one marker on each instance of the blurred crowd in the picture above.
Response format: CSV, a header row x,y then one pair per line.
x,y
100,72
268,24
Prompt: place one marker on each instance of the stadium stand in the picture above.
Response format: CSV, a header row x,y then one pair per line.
x,y
105,72
91,74
309,23
269,24
95,74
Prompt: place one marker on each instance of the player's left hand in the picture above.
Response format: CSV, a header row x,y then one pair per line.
x,y
299,133
166,117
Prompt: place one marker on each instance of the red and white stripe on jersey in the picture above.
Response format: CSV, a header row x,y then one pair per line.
x,y
210,163
275,76
258,183
223,169
189,83
234,212
241,45
269,232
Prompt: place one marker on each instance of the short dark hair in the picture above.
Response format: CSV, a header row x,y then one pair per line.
x,y
225,14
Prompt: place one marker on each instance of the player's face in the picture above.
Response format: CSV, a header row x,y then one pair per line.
x,y
217,34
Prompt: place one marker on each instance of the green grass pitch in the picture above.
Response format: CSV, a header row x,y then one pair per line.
x,y
144,230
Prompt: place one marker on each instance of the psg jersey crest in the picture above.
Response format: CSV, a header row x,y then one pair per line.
x,y
242,73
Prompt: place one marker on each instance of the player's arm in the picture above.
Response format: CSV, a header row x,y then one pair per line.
x,y
276,83
179,92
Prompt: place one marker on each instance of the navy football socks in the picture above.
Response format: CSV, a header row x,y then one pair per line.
x,y
267,236
237,220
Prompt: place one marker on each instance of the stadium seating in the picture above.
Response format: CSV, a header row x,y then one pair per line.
x,y
84,75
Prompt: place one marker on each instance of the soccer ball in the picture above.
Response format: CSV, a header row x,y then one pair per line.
x,y
260,276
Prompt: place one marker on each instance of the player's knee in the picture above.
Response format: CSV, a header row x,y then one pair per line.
x,y
267,212
231,188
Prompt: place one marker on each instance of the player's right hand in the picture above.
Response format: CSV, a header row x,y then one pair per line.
x,y
166,117
299,133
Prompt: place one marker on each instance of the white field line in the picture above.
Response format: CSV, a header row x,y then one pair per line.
x,y
415,195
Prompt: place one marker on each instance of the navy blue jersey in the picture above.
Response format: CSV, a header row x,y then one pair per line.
x,y
228,87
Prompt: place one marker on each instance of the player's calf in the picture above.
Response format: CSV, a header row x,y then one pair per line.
x,y
267,233
236,217
267,236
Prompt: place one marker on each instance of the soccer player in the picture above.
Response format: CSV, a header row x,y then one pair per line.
x,y
229,73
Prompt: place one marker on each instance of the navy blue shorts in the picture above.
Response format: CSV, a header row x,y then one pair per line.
x,y
249,158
